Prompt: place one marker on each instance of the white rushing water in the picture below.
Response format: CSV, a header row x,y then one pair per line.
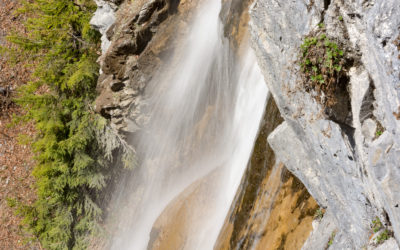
x,y
204,112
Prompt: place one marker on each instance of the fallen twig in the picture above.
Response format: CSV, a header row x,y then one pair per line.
x,y
7,136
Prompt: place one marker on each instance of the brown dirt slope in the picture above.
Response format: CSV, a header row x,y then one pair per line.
x,y
16,160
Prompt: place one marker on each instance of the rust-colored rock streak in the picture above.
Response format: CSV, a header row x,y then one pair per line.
x,y
272,210
181,218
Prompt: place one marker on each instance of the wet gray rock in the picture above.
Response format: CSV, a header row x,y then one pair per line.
x,y
138,36
351,165
126,59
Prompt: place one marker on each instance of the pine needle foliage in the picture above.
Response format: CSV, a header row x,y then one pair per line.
x,y
74,147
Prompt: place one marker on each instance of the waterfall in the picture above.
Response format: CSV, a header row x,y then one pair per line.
x,y
204,112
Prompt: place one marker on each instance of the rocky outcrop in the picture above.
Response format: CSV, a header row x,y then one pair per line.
x,y
140,38
346,155
347,158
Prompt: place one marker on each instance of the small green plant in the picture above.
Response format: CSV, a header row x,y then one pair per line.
x,y
376,225
340,18
11,202
330,242
321,25
319,214
322,62
379,130
383,236
321,65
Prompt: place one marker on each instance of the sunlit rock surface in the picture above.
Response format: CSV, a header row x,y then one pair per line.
x,y
137,39
272,209
348,161
348,170
184,215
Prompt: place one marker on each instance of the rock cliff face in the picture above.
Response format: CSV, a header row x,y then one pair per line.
x,y
137,36
347,158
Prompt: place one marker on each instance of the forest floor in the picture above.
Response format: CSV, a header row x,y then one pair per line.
x,y
16,160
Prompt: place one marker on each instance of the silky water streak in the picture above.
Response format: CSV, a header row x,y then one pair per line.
x,y
204,112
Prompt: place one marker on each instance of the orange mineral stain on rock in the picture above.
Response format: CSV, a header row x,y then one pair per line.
x,y
290,218
175,227
272,209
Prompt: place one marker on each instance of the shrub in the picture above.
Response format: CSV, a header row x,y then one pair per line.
x,y
321,62
383,237
378,226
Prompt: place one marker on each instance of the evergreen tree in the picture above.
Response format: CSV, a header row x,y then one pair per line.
x,y
74,146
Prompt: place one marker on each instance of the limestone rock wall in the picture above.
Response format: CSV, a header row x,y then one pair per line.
x,y
348,158
349,161
137,36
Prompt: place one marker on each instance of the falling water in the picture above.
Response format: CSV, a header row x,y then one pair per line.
x,y
204,112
